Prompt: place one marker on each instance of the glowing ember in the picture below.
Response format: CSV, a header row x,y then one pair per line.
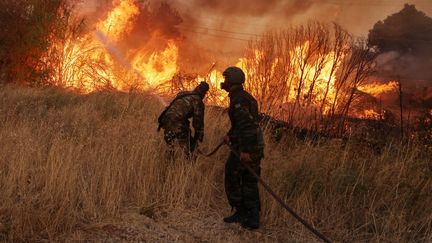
x,y
369,113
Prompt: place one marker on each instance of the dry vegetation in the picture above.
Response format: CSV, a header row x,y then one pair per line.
x,y
93,167
308,72
84,167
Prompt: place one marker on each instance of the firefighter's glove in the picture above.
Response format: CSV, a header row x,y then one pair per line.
x,y
245,157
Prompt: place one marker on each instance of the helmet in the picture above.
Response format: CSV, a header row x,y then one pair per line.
x,y
234,75
202,88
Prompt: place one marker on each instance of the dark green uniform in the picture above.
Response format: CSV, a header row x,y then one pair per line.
x,y
175,120
245,135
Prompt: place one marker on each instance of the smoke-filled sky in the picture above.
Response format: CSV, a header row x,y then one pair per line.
x,y
358,16
229,23
256,16
221,28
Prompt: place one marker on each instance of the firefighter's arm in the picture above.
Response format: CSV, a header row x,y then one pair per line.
x,y
245,124
198,121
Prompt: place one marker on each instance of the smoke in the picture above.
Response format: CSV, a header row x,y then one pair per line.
x,y
297,7
404,40
154,26
219,30
408,67
253,7
228,7
208,31
413,72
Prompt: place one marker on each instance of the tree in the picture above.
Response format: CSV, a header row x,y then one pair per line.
x,y
307,73
408,32
27,30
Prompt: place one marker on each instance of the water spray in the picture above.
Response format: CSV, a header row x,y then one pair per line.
x,y
120,57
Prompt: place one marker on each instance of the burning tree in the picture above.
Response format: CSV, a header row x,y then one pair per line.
x,y
27,30
306,73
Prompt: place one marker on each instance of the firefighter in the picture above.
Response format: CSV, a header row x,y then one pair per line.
x,y
175,119
246,139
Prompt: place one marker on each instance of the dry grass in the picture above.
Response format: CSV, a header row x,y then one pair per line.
x,y
69,161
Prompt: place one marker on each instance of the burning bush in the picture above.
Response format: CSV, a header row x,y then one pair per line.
x,y
307,71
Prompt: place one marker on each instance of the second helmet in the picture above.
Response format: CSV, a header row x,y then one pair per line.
x,y
234,75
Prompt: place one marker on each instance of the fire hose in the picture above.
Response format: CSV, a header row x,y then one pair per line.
x,y
213,151
269,190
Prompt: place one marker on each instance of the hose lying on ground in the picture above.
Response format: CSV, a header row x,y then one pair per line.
x,y
269,190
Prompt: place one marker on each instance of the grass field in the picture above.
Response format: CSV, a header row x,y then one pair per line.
x,y
77,167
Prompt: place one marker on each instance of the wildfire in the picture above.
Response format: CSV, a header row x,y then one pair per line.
x,y
95,60
217,96
159,67
376,89
323,79
370,114
120,20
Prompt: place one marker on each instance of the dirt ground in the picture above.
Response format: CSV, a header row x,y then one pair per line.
x,y
157,225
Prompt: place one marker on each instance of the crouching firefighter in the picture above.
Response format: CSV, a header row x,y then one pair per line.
x,y
175,119
246,140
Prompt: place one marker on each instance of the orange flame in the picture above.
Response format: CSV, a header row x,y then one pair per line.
x,y
120,20
159,67
376,89
326,76
369,113
90,63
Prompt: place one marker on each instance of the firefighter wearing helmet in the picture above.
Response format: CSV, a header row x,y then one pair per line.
x,y
175,119
246,139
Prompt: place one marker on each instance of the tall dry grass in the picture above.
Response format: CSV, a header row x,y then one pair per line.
x,y
67,160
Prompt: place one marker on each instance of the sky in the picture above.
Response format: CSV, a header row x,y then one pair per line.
x,y
256,16
230,22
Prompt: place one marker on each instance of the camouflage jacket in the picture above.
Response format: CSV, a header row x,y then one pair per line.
x,y
176,116
245,133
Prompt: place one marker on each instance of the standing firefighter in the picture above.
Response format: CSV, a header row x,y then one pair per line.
x,y
175,119
246,140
